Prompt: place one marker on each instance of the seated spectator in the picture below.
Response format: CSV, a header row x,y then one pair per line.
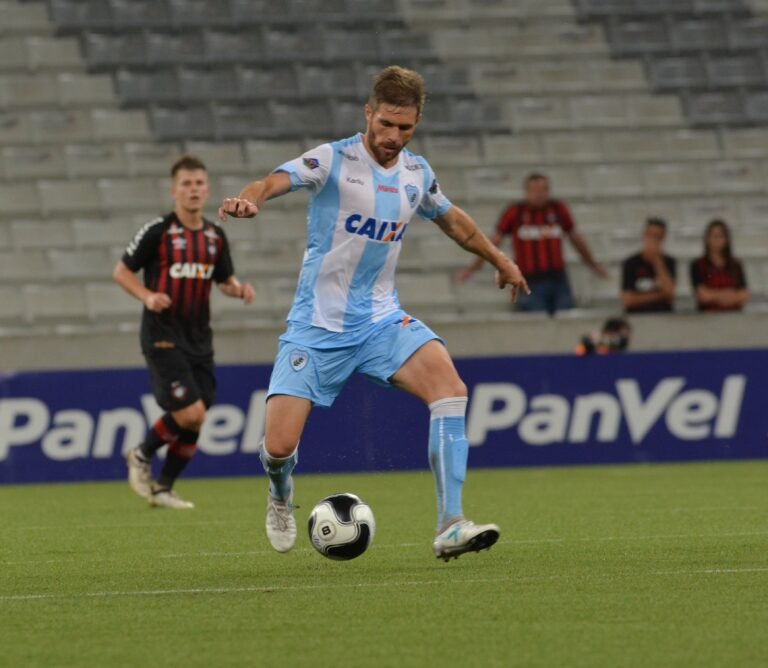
x,y
648,278
718,279
613,338
537,226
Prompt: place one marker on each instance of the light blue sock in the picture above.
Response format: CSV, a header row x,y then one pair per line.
x,y
279,470
448,452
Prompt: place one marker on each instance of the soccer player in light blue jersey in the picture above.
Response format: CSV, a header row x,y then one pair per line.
x,y
346,317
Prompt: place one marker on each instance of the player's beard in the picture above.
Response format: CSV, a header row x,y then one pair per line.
x,y
382,152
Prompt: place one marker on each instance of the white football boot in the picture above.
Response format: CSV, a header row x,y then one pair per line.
x,y
139,474
281,525
464,536
167,498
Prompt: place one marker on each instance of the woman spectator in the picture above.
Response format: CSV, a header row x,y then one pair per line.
x,y
718,278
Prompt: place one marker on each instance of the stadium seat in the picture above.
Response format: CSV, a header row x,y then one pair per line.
x,y
735,70
28,161
52,125
85,89
110,301
79,264
263,156
26,18
35,234
179,123
18,198
21,90
706,109
95,160
673,179
139,13
150,159
171,48
23,266
68,196
632,38
756,107
71,15
108,50
572,147
130,194
675,72
11,305
748,33
99,233
612,181
734,177
198,85
200,12
46,52
745,142
218,157
263,83
338,80
262,307
698,34
114,124
13,54
137,87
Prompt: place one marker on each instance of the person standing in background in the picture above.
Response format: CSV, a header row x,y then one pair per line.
x,y
717,278
537,226
648,277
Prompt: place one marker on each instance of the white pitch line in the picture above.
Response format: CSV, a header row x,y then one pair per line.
x,y
246,590
714,571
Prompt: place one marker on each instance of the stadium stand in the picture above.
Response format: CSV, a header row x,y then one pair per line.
x,y
633,108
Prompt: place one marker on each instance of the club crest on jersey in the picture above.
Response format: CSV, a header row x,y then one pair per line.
x,y
211,234
412,193
175,229
179,243
299,359
389,231
311,163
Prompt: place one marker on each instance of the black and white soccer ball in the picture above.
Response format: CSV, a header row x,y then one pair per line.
x,y
341,526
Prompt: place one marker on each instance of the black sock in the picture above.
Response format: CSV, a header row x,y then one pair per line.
x,y
179,454
165,430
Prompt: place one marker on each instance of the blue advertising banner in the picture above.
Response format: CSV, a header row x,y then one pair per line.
x,y
523,411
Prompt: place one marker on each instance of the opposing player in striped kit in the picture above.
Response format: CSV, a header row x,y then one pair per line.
x,y
365,191
181,255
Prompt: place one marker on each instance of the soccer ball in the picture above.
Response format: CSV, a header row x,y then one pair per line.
x,y
341,526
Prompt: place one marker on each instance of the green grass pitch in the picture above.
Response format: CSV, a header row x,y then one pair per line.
x,y
597,566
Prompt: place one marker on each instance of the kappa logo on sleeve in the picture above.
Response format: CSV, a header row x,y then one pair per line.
x,y
311,163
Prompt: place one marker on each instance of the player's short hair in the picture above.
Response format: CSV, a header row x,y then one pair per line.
x,y
399,87
535,176
190,162
656,222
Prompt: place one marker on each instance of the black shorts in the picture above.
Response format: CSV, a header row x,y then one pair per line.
x,y
179,381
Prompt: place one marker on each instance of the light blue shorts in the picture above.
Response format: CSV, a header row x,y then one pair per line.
x,y
314,364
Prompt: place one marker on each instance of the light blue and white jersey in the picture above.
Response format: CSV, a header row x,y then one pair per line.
x,y
359,214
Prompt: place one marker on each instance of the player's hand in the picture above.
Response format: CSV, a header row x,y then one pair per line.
x,y
508,273
247,294
237,208
157,302
463,275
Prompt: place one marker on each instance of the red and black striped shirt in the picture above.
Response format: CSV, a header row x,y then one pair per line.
x,y
182,263
707,273
537,236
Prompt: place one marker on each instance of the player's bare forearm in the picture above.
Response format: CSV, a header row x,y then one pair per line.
x,y
129,282
236,290
248,203
459,226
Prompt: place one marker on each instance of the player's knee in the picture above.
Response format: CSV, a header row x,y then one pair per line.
x,y
191,417
454,388
279,448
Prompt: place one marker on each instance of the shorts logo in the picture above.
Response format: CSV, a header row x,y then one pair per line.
x,y
412,193
299,359
311,163
178,391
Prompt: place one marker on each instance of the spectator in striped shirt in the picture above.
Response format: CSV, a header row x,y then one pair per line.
x,y
537,226
718,278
